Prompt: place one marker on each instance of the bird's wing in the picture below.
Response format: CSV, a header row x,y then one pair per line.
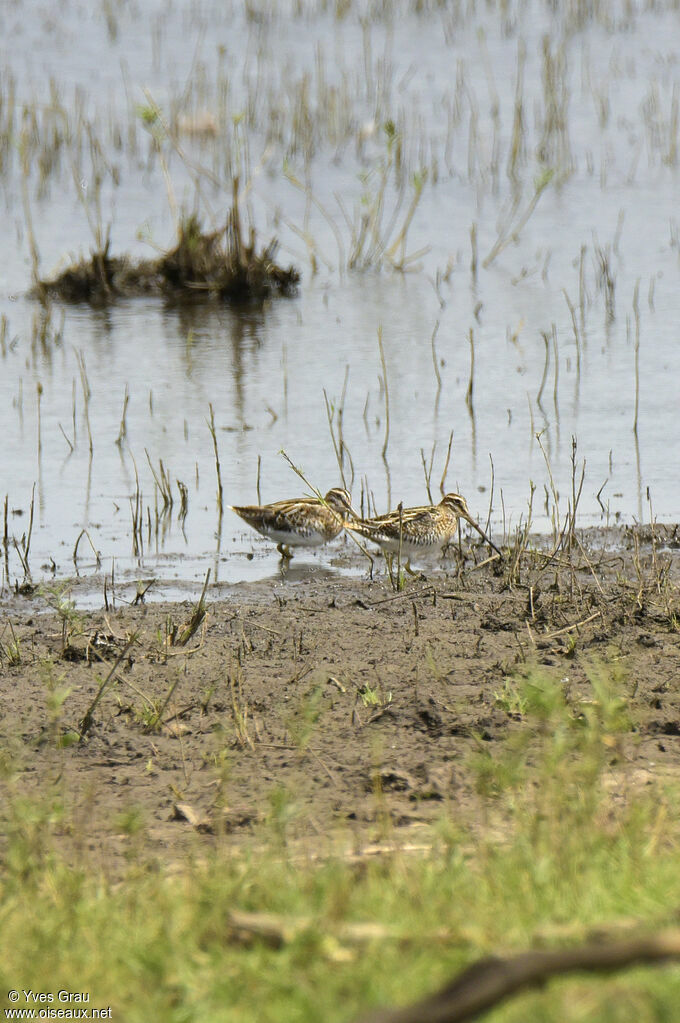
x,y
392,519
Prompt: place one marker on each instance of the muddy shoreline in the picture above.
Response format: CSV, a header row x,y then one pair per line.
x,y
327,702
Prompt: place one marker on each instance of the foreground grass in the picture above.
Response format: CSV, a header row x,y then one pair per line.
x,y
559,845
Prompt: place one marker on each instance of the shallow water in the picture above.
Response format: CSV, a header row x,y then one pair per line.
x,y
264,77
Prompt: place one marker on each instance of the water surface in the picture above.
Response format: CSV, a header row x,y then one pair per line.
x,y
304,98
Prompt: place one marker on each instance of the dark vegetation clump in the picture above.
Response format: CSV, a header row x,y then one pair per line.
x,y
218,264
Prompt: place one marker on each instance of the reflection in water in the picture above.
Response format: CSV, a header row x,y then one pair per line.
x,y
638,470
41,496
297,572
469,401
197,325
103,327
556,363
245,334
88,492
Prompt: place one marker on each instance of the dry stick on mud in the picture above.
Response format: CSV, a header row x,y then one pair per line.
x,y
196,618
87,721
157,717
488,982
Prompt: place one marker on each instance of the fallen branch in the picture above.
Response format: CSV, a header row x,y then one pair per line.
x,y
576,625
488,982
278,930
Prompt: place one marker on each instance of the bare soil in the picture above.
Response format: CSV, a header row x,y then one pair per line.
x,y
325,702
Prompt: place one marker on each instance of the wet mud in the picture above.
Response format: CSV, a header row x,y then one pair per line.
x,y
329,702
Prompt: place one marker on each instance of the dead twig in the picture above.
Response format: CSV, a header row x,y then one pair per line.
x,y
576,625
488,982
278,930
87,721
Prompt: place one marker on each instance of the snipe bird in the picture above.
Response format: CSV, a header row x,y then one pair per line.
x,y
418,530
300,522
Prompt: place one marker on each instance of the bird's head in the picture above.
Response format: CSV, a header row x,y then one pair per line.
x,y
458,505
340,500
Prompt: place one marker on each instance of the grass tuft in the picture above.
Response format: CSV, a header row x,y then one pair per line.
x,y
219,264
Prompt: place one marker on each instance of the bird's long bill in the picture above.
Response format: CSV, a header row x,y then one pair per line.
x,y
483,535
350,514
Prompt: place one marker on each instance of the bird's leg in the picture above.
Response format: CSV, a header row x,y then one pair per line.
x,y
453,549
285,551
